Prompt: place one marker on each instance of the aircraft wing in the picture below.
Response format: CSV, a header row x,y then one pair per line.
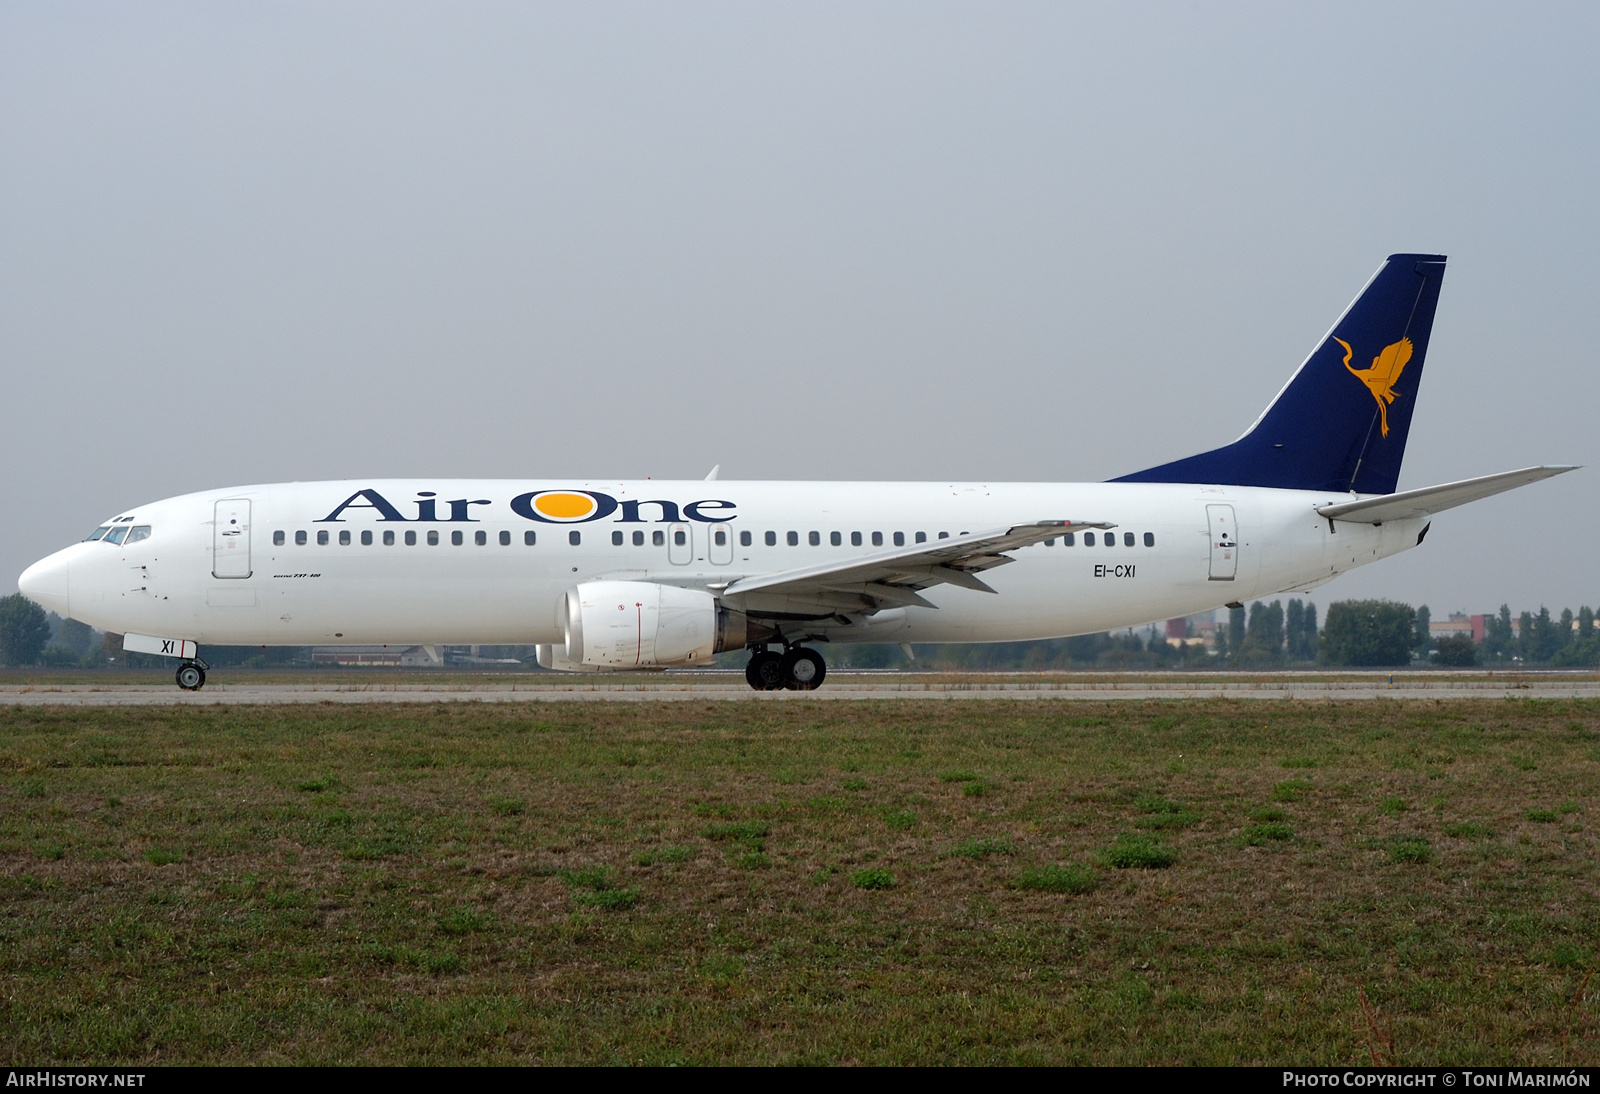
x,y
891,579
1435,499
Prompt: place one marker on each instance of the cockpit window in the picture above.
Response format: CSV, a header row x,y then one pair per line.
x,y
116,534
98,532
138,532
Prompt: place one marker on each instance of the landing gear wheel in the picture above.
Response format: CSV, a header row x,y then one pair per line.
x,y
190,676
802,669
765,672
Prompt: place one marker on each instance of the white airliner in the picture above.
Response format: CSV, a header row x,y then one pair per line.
x,y
643,574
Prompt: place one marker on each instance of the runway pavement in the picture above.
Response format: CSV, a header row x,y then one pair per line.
x,y
840,686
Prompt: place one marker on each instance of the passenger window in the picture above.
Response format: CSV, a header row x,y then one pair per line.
x,y
456,538
678,538
616,539
411,538
638,539
922,537
322,537
744,539
480,538
772,539
300,539
344,537
1067,540
899,539
1149,539
277,539
944,535
1111,539
835,539
658,538
574,537
97,533
433,539
505,539
116,534
530,538
1049,543
794,539
388,537
1127,539
814,538
720,538
877,539
366,538
1088,539
855,539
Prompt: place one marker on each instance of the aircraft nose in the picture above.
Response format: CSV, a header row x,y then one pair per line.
x,y
46,584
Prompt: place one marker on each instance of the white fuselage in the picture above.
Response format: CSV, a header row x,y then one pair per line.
x,y
377,584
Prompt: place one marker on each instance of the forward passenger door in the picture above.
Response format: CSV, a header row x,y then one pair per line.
x,y
230,538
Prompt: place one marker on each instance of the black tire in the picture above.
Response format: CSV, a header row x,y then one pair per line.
x,y
190,676
764,672
803,669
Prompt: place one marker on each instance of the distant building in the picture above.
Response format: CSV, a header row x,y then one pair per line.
x,y
372,656
1473,626
1191,630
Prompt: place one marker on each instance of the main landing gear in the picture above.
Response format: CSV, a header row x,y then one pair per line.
x,y
191,675
796,669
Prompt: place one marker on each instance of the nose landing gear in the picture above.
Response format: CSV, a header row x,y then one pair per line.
x,y
796,669
191,675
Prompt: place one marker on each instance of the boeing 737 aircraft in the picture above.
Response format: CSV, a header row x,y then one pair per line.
x,y
626,575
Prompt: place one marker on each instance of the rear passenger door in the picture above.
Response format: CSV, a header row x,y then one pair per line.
x,y
1224,542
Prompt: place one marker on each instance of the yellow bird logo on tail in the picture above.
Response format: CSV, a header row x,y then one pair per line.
x,y
1383,375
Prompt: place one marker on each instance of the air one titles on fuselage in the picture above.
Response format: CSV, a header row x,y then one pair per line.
x,y
544,506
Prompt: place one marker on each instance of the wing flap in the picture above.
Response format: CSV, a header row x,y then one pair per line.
x,y
1436,499
893,578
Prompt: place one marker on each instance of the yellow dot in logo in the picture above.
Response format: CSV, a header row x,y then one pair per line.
x,y
564,505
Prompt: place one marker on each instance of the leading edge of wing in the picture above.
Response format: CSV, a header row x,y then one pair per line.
x,y
1436,499
902,571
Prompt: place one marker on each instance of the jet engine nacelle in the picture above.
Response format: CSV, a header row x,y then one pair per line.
x,y
555,657
640,624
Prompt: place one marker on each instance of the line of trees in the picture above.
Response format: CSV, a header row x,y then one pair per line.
x,y
1269,635
1563,641
1357,633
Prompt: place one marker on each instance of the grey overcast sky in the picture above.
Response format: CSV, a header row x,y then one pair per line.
x,y
254,242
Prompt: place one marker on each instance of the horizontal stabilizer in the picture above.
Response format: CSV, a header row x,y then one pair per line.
x,y
1435,499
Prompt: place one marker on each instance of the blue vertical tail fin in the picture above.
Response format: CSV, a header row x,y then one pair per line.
x,y
1341,421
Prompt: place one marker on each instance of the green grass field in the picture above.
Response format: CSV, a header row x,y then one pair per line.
x,y
889,882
